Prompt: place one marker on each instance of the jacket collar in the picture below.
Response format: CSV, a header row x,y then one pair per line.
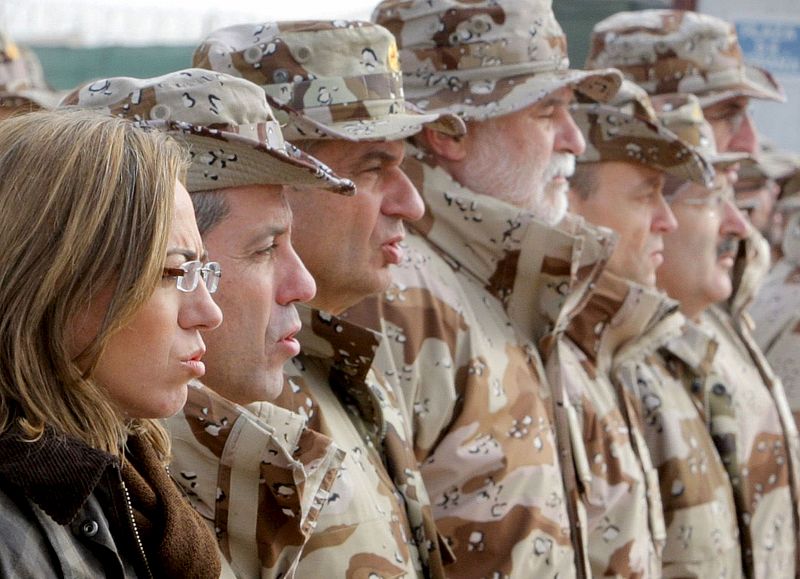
x,y
348,351
541,274
694,346
617,311
57,472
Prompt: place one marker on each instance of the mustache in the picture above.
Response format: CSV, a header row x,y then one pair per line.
x,y
561,165
728,246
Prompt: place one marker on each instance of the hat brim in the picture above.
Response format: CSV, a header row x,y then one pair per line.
x,y
392,127
758,84
637,140
721,160
42,98
222,160
475,97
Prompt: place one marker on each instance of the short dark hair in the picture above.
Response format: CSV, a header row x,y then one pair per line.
x,y
210,208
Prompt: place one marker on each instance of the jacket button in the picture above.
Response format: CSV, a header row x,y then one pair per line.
x,y
89,528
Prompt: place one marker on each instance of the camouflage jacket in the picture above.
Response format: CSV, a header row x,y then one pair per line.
x,y
259,478
377,519
663,368
478,284
618,482
752,426
776,313
750,270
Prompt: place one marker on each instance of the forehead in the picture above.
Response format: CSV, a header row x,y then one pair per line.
x,y
563,96
259,203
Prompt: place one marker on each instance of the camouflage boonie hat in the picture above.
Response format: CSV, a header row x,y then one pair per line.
x,y
627,129
682,114
779,166
21,79
485,58
233,138
790,193
324,79
770,164
668,51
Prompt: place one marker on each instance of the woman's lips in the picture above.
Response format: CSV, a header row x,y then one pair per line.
x,y
194,363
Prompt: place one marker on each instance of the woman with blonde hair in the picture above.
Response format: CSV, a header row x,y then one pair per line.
x,y
104,293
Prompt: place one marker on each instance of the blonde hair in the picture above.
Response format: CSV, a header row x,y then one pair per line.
x,y
86,203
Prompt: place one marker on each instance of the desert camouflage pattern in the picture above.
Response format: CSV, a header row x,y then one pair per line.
x,y
481,282
753,261
667,51
484,58
618,481
258,478
683,115
753,428
22,83
377,521
776,313
627,129
665,369
326,79
232,135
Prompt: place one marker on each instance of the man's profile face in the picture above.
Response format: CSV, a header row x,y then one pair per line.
x,y
734,130
699,256
756,198
627,198
348,243
525,157
262,279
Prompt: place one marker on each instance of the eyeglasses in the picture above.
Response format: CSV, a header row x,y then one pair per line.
x,y
711,198
188,275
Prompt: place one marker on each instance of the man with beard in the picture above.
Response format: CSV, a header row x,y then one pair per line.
x,y
338,89
258,478
466,306
748,414
617,184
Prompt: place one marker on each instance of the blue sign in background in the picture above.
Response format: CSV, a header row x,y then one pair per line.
x,y
772,45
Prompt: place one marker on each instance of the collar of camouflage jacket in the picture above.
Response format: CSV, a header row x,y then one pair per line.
x,y
751,268
693,345
56,471
541,274
258,473
617,312
350,350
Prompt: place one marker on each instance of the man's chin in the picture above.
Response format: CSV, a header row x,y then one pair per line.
x,y
554,204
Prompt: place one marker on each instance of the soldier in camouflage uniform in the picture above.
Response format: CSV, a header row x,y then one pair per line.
x,y
338,88
668,51
617,184
22,84
775,310
259,478
749,415
483,271
669,362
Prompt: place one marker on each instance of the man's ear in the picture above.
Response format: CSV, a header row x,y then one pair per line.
x,y
445,146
